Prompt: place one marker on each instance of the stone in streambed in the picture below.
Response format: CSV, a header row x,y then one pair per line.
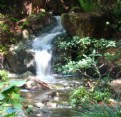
x,y
35,84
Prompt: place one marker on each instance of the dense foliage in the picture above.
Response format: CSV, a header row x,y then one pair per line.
x,y
82,54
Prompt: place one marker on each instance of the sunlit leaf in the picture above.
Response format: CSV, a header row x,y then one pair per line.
x,y
18,83
8,89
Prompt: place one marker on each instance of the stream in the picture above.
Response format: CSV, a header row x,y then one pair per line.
x,y
53,102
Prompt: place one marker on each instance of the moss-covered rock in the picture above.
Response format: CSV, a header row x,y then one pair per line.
x,y
92,24
19,59
36,23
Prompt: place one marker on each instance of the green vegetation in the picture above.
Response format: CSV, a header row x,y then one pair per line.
x,y
10,99
2,16
2,49
3,27
116,16
88,5
84,97
3,75
82,54
113,56
23,25
102,111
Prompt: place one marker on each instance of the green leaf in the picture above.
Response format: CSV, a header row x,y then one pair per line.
x,y
18,83
8,89
1,97
1,85
13,85
17,105
15,95
10,115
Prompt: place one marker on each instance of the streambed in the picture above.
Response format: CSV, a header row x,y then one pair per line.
x,y
53,102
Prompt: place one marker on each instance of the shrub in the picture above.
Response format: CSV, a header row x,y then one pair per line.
x,y
80,54
84,97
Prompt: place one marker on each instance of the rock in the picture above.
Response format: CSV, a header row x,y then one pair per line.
x,y
35,84
92,24
26,75
39,104
53,95
25,34
51,105
115,85
19,60
35,24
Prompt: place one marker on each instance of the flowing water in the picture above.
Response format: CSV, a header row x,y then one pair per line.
x,y
43,54
53,102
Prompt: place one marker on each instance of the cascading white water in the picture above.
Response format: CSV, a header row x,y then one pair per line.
x,y
42,48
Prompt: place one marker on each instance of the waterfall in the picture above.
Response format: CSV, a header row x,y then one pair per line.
x,y
43,53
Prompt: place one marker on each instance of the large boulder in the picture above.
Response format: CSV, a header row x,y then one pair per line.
x,y
92,24
19,60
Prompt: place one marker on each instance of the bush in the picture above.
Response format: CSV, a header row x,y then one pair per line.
x,y
84,97
80,54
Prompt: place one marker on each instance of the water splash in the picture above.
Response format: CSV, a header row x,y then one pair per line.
x,y
43,54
